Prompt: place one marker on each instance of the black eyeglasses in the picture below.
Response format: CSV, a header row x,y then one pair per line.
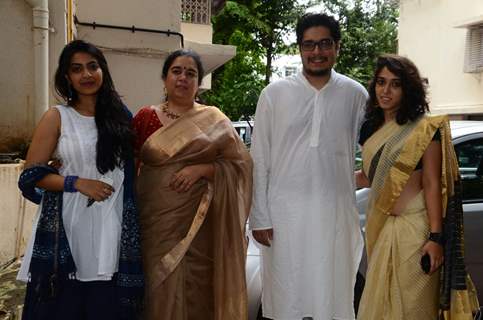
x,y
324,44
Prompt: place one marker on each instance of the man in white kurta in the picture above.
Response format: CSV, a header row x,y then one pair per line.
x,y
303,210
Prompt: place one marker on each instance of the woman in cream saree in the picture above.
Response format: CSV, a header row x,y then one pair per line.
x,y
412,171
192,234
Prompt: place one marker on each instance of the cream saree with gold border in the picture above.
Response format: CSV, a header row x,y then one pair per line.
x,y
396,287
193,243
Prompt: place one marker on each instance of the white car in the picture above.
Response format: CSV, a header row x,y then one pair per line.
x,y
468,143
254,280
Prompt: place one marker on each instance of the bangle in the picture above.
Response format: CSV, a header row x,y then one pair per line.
x,y
69,183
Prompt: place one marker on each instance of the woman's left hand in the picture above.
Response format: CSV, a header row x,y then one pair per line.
x,y
435,252
184,179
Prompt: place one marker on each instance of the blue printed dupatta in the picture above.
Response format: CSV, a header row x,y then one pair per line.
x,y
52,260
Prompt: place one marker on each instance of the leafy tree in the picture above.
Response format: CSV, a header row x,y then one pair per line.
x,y
257,28
369,28
237,85
267,22
277,18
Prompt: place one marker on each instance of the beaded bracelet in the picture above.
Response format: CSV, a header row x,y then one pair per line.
x,y
69,183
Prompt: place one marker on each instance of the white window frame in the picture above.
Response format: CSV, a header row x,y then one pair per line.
x,y
290,70
474,49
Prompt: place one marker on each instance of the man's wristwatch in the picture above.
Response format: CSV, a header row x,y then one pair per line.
x,y
436,237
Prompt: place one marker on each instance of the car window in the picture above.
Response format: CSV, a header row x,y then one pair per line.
x,y
242,133
470,158
244,130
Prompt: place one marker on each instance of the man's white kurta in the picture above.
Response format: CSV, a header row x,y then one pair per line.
x,y
303,149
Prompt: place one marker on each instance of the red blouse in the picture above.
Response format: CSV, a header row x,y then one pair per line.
x,y
145,123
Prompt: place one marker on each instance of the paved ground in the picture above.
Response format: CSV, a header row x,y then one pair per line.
x,y
11,292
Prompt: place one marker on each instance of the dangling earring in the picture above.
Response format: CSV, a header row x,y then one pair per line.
x,y
70,95
165,94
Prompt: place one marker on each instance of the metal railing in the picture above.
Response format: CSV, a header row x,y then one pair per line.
x,y
196,11
133,29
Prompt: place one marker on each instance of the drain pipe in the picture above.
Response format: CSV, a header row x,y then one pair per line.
x,y
40,9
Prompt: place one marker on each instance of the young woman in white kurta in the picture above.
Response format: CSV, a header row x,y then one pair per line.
x,y
93,232
91,138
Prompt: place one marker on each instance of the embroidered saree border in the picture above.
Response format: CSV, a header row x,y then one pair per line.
x,y
408,158
171,260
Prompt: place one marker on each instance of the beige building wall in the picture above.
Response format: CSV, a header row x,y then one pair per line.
x,y
57,40
16,63
150,14
197,32
135,59
429,36
16,214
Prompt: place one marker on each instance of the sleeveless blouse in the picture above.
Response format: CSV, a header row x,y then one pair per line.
x,y
93,232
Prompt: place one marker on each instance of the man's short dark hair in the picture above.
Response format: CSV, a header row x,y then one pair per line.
x,y
310,20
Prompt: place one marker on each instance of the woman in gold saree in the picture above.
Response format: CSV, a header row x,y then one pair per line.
x,y
410,165
194,188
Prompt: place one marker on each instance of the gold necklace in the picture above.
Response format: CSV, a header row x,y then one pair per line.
x,y
169,114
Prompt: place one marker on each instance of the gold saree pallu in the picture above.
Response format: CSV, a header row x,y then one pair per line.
x,y
193,243
390,156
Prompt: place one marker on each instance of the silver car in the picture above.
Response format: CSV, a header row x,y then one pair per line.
x,y
468,144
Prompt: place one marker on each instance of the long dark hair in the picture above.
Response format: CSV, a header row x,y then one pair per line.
x,y
114,139
414,102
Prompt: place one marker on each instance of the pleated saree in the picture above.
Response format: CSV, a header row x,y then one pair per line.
x,y
396,287
193,243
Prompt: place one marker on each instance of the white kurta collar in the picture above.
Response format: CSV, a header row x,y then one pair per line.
x,y
317,110
332,80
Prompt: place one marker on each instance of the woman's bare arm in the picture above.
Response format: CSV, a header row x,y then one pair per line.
x,y
361,179
431,181
432,185
44,142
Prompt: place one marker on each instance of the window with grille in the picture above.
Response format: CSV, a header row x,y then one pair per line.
x,y
474,50
196,11
290,71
